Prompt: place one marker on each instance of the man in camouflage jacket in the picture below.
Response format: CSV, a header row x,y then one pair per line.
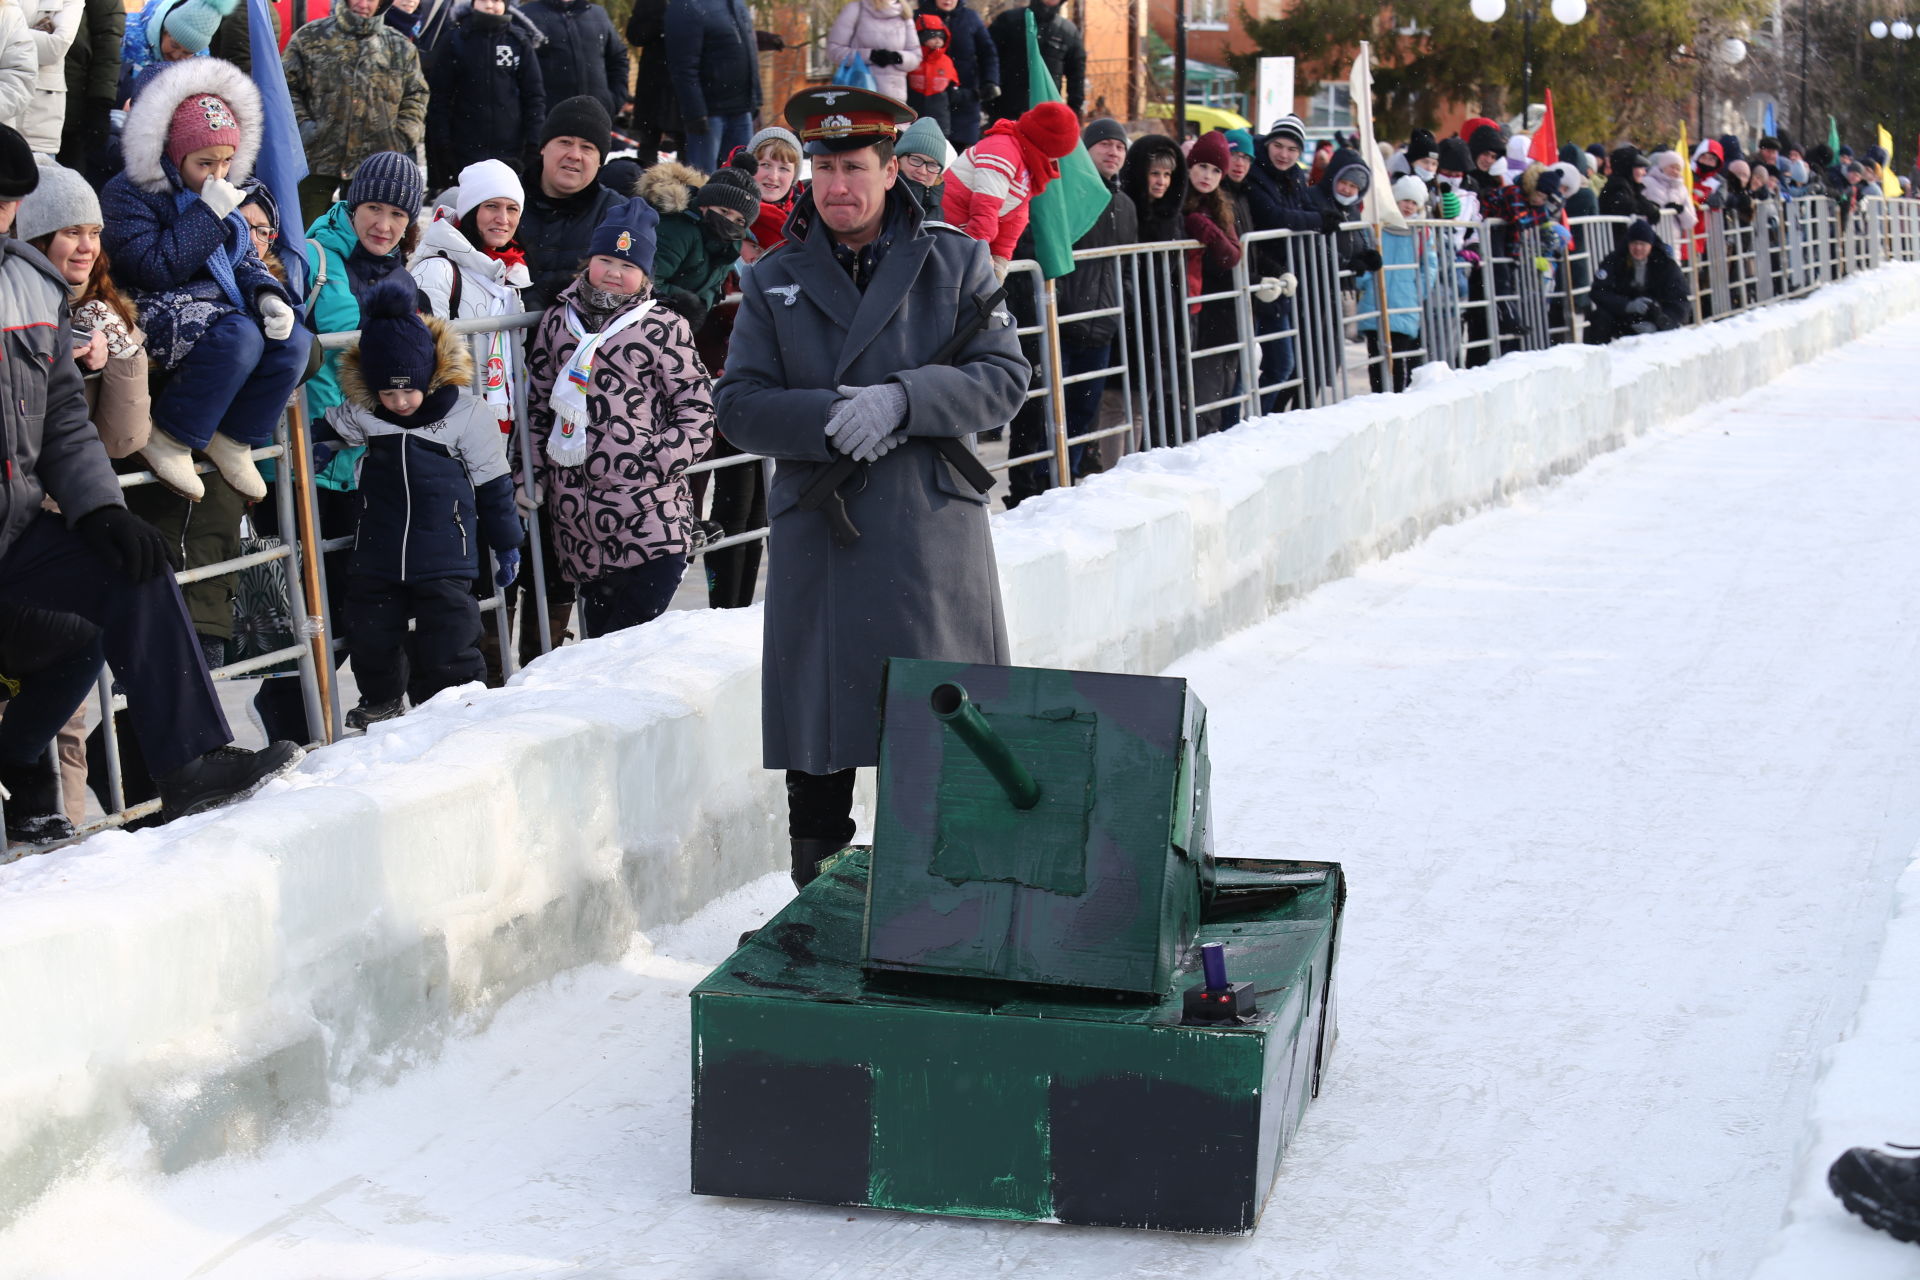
x,y
357,89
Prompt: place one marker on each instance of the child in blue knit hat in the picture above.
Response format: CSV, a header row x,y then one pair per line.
x,y
619,406
434,485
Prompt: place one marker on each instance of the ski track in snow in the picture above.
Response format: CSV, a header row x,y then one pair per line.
x,y
1621,775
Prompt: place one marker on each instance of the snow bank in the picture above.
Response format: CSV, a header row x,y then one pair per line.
x,y
1865,1095
187,992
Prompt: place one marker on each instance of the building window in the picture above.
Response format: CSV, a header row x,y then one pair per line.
x,y
1208,15
819,65
1331,109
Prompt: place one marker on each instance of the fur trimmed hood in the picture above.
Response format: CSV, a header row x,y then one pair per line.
x,y
669,186
143,140
452,365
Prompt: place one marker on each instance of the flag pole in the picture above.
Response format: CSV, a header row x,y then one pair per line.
x,y
1057,391
299,457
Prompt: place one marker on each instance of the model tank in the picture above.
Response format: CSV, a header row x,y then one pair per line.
x,y
1039,995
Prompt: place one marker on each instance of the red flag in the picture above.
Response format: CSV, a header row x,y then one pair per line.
x,y
1545,147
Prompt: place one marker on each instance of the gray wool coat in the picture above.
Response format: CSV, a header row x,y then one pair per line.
x,y
921,582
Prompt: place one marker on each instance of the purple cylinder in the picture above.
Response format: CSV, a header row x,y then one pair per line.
x,y
1213,959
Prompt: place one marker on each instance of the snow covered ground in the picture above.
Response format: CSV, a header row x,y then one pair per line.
x,y
1622,775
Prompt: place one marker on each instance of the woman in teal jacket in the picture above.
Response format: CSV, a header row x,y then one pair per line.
x,y
1411,267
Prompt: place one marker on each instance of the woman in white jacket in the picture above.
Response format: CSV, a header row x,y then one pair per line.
x,y
469,264
19,67
52,25
882,32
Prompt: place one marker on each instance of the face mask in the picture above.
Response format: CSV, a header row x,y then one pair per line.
x,y
1449,184
1427,172
1346,200
723,226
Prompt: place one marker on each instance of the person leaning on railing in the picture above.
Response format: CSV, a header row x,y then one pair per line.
x,y
1279,198
1638,289
94,560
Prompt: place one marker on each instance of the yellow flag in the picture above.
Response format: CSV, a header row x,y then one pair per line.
x,y
1686,159
1888,183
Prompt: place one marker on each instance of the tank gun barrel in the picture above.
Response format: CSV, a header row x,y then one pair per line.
x,y
957,711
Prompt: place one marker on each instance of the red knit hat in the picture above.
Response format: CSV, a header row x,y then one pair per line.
x,y
1210,148
1052,128
201,120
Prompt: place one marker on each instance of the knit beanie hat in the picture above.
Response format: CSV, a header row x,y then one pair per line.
x,y
192,23
1410,188
923,138
584,117
1641,229
1051,127
774,133
201,120
19,175
1546,181
627,233
1289,126
1484,139
1209,148
388,178
1875,155
62,199
1239,140
486,180
1103,130
1420,145
621,175
730,189
396,347
1454,157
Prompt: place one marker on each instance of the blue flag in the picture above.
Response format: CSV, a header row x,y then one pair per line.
x,y
283,161
1767,126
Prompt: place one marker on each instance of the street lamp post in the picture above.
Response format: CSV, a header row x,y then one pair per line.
x,y
1565,12
1902,30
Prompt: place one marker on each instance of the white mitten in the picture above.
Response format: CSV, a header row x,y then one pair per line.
x,y
276,317
221,196
1268,290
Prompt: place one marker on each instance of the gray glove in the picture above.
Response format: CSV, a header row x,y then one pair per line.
x,y
1639,306
862,426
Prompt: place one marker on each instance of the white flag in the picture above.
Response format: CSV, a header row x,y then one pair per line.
x,y
1380,205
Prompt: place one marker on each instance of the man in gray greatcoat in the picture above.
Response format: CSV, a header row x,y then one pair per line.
x,y
831,355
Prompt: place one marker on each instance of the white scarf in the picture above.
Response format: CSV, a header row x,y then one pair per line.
x,y
567,446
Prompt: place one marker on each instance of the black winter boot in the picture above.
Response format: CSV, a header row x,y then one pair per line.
x,y
34,814
1881,1189
808,854
224,775
367,713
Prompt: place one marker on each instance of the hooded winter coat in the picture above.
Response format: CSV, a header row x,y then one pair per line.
x,y
651,417
448,264
863,28
1163,218
1354,249
690,262
430,492
714,57
1622,197
357,89
969,45
160,251
48,113
583,52
1061,49
487,100
1614,288
19,67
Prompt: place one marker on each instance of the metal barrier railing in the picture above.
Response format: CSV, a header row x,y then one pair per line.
x,y
1471,291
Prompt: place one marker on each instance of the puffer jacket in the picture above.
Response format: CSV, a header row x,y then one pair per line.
x,y
690,262
1347,245
357,89
859,30
486,98
583,52
160,251
486,287
48,113
19,66
1062,51
1164,218
429,493
1278,200
714,56
332,307
652,417
555,233
1415,272
50,451
969,45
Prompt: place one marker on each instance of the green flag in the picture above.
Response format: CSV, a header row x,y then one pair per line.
x,y
1072,202
1833,139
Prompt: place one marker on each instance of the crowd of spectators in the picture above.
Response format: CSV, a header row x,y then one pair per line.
x,y
480,161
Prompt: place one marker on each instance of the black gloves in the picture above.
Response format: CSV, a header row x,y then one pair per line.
x,y
884,57
1367,261
1639,307
130,546
988,92
1330,220
769,41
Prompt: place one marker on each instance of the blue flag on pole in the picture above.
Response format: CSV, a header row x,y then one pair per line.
x,y
283,161
1767,126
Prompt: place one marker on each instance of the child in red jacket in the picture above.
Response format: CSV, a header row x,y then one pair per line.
x,y
989,185
930,85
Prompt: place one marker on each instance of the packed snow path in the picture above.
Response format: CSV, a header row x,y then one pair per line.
x,y
1621,776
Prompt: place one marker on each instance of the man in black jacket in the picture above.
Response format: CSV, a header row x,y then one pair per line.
x,y
485,97
1280,199
716,76
1061,49
567,203
1622,197
583,52
977,62
1638,289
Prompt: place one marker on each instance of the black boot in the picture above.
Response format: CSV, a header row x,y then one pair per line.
x,y
33,639
1881,1189
223,775
808,854
34,814
367,713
